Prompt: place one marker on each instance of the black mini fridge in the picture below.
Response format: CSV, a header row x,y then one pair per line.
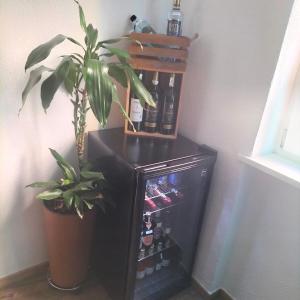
x,y
145,242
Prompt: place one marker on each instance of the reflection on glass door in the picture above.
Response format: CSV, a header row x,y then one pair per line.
x,y
172,207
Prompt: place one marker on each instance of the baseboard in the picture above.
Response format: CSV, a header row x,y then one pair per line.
x,y
220,294
15,278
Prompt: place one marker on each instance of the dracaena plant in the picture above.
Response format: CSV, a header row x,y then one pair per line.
x,y
90,80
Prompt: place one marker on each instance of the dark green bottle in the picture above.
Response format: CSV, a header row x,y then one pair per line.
x,y
168,116
151,114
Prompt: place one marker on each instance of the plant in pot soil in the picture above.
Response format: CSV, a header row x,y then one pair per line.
x,y
69,203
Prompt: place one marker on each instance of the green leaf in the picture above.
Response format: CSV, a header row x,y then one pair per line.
x,y
116,100
78,206
101,204
34,77
66,168
91,36
44,184
91,175
52,83
69,197
138,88
66,182
75,42
42,52
71,77
89,205
91,195
84,186
118,74
50,195
111,41
99,89
118,52
81,16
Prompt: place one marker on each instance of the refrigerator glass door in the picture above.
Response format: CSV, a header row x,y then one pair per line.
x,y
169,228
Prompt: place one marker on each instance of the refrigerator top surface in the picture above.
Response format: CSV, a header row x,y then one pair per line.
x,y
139,151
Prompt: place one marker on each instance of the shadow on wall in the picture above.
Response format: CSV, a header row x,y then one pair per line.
x,y
24,223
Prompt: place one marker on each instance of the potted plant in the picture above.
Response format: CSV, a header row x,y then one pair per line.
x,y
69,202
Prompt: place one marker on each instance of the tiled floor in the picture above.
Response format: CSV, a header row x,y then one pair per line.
x,y
36,288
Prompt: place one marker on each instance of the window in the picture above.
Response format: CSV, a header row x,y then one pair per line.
x,y
277,146
289,134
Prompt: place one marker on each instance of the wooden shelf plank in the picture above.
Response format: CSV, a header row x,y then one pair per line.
x,y
157,65
147,134
161,39
158,52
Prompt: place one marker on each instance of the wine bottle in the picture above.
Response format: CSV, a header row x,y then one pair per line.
x,y
136,110
151,113
168,110
175,19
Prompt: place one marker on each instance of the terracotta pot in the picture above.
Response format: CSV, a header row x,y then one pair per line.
x,y
69,241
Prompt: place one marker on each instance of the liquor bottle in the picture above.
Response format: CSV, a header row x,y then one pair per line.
x,y
157,233
167,237
167,230
150,266
166,259
151,250
140,25
168,115
141,268
136,110
159,247
159,260
151,113
150,203
175,19
155,191
148,230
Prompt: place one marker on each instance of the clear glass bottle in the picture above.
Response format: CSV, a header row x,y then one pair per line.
x,y
141,26
151,114
175,19
167,125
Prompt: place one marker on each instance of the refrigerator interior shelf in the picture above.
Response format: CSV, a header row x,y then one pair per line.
x,y
162,208
157,252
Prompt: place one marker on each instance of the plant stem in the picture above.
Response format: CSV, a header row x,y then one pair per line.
x,y
81,128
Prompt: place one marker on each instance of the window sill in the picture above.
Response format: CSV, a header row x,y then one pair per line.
x,y
276,166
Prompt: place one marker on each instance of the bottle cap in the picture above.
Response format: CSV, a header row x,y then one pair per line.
x,y
133,18
177,3
155,82
172,80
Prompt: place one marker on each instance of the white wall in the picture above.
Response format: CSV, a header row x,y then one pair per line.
x,y
249,244
24,141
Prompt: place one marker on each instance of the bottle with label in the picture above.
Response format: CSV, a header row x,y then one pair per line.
x,y
140,25
151,114
175,19
168,116
148,230
136,110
